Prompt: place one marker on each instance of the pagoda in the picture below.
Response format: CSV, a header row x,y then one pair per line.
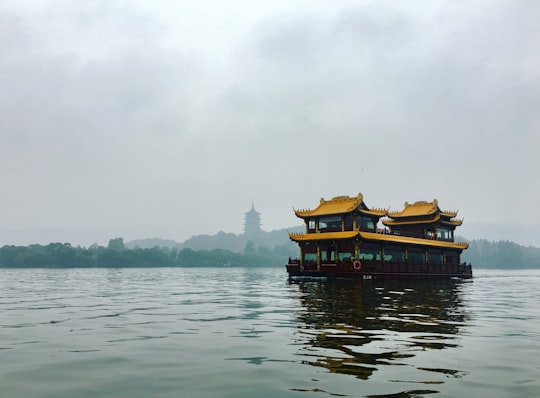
x,y
252,223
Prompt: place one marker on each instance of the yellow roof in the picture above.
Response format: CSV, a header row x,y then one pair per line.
x,y
375,212
452,222
449,213
299,237
339,205
389,222
416,209
422,208
413,241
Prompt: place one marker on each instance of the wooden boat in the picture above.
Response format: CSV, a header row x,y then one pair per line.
x,y
344,238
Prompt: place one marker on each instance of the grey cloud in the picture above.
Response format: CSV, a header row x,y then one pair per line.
x,y
121,126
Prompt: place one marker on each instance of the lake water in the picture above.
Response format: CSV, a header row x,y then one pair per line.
x,y
177,332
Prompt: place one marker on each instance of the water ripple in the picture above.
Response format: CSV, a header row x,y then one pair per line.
x,y
244,332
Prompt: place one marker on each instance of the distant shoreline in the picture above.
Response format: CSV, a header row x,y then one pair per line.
x,y
482,254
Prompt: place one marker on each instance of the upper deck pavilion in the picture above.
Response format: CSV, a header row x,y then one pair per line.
x,y
420,213
340,205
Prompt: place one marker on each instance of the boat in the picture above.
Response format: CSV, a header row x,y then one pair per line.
x,y
344,238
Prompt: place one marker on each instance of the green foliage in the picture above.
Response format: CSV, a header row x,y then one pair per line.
x,y
116,244
481,254
249,249
503,254
63,255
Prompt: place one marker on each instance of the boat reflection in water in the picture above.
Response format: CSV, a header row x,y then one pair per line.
x,y
358,328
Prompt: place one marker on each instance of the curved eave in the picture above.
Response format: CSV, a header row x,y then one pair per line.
x,y
302,213
389,222
321,212
450,214
314,213
454,223
374,212
412,212
298,237
412,241
372,236
402,214
328,211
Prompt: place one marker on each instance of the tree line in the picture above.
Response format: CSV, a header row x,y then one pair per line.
x,y
502,254
64,255
481,254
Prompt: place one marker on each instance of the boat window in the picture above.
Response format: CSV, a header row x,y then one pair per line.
x,y
435,257
348,222
328,255
393,254
345,255
369,254
365,223
443,234
310,256
330,222
416,256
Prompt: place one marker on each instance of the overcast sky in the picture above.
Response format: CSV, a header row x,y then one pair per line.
x,y
168,118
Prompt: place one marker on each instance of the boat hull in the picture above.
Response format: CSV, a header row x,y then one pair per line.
x,y
382,271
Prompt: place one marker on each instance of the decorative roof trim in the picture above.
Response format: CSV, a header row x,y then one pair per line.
x,y
448,213
300,237
372,236
454,222
375,212
421,208
339,205
413,241
433,207
389,222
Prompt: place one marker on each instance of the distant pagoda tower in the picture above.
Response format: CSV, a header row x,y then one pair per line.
x,y
252,223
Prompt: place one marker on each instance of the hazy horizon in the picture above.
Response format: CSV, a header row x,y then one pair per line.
x,y
525,235
167,119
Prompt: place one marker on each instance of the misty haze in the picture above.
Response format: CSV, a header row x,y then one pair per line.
x,y
144,120
162,165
